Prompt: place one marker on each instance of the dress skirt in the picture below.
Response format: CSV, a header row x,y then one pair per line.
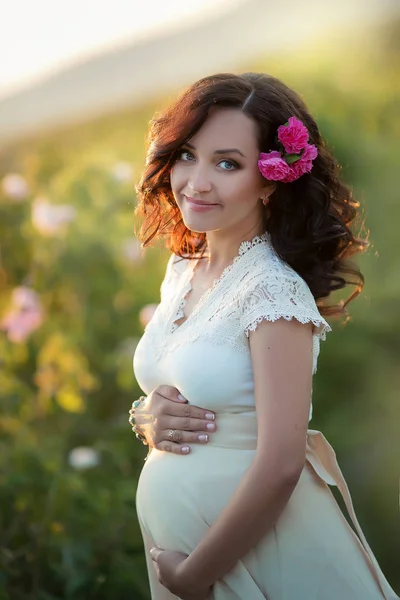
x,y
311,553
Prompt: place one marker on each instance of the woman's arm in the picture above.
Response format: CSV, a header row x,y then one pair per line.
x,y
281,355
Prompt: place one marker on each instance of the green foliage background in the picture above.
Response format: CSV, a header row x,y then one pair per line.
x,y
73,534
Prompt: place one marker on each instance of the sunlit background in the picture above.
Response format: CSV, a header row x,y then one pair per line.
x,y
79,82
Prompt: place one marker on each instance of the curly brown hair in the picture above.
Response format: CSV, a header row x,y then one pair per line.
x,y
308,220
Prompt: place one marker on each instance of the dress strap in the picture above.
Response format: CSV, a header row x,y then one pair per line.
x,y
322,458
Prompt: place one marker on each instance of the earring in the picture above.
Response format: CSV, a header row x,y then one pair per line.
x,y
265,200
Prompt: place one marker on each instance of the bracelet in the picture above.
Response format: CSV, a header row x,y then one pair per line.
x,y
139,434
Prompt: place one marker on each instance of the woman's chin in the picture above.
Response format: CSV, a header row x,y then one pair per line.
x,y
198,224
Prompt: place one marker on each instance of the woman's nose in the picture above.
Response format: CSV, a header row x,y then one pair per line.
x,y
199,180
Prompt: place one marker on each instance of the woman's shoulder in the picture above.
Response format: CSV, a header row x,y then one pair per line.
x,y
274,278
268,267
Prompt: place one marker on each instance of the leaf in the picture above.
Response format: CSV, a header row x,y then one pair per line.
x,y
291,158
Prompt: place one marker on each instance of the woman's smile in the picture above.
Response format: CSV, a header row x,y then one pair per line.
x,y
199,206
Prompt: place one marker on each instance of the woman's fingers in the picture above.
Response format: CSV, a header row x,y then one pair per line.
x,y
181,440
195,422
167,446
185,437
170,393
166,422
178,407
179,444
188,410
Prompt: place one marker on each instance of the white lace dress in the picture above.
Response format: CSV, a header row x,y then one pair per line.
x,y
311,553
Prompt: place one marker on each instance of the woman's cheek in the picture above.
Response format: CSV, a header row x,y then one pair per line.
x,y
175,181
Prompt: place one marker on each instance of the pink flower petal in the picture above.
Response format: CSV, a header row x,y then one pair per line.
x,y
24,316
293,136
272,166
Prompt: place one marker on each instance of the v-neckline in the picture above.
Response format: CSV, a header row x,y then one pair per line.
x,y
187,287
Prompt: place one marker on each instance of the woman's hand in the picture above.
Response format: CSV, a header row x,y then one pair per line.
x,y
164,410
168,565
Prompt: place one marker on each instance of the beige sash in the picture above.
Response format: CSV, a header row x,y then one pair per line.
x,y
322,458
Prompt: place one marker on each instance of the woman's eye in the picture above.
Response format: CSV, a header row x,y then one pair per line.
x,y
231,163
184,152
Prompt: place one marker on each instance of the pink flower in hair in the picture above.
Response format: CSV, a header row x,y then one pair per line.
x,y
309,154
272,166
302,166
295,156
293,136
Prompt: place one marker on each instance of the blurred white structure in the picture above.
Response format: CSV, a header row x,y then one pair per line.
x,y
227,41
83,457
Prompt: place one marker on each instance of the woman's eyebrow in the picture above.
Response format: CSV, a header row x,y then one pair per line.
x,y
223,151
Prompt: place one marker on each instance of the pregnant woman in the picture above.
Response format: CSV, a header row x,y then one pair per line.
x,y
240,182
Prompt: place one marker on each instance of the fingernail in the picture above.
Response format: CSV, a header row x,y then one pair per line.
x,y
185,449
203,437
210,416
180,397
210,426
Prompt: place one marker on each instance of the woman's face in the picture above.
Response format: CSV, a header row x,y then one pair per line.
x,y
218,165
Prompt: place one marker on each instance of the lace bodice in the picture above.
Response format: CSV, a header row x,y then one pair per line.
x,y
257,285
208,355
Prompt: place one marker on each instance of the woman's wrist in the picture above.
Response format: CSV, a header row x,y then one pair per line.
x,y
187,579
136,404
132,415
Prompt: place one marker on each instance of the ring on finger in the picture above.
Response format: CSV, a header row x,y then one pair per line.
x,y
171,434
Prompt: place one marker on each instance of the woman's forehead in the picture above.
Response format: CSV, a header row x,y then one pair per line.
x,y
226,128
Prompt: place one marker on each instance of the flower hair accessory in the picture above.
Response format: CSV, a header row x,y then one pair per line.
x,y
294,157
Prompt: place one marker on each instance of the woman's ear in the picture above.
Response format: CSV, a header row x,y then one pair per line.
x,y
270,188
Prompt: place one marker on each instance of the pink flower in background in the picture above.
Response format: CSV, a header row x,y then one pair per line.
x,y
272,166
293,136
24,316
131,250
50,219
15,186
146,314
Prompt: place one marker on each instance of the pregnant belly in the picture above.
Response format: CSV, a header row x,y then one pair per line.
x,y
179,497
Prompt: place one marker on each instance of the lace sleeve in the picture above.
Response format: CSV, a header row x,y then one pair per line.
x,y
278,296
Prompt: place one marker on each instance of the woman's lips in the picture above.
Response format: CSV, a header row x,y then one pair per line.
x,y
199,206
